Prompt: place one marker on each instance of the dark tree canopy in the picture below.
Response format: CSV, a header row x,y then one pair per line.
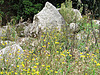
x,y
28,8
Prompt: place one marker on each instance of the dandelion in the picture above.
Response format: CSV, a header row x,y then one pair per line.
x,y
56,72
46,69
43,65
48,66
51,70
86,48
56,42
18,51
24,50
18,58
67,52
21,73
35,67
48,42
1,72
6,43
15,73
81,53
91,59
63,62
57,51
23,65
63,54
37,72
95,61
83,56
48,72
25,59
33,70
37,63
17,65
87,54
98,64
70,55
9,53
49,55
44,46
3,44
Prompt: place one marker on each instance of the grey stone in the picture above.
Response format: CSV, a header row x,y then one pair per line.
x,y
49,17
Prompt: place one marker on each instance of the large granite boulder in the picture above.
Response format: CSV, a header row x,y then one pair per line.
x,y
10,53
49,17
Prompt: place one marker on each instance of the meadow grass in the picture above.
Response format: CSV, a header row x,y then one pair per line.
x,y
56,54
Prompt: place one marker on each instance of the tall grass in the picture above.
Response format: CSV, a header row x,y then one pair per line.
x,y
56,54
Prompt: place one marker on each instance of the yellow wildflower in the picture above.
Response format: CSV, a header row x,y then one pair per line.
x,y
15,72
9,53
44,46
56,72
3,44
43,65
35,66
17,65
23,65
95,61
1,72
46,69
98,64
56,42
37,72
83,56
51,70
37,63
48,42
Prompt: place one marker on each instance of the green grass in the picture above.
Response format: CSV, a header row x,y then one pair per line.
x,y
55,55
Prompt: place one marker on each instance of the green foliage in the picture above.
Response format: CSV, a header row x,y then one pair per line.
x,y
67,13
1,2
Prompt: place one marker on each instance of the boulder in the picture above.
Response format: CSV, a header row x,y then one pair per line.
x,y
74,27
10,53
6,43
49,17
97,22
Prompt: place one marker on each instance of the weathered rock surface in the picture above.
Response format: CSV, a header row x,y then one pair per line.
x,y
10,53
74,27
11,49
49,17
96,22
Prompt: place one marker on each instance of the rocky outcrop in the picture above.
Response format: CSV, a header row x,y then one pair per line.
x,y
74,27
49,17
